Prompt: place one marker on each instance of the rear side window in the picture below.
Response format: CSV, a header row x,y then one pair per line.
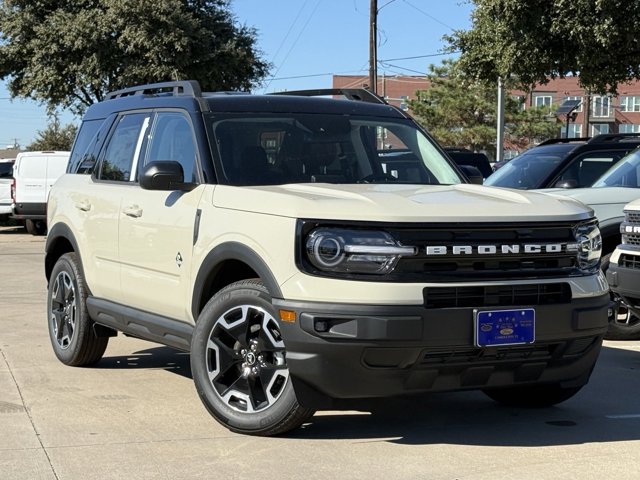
x,y
82,144
123,147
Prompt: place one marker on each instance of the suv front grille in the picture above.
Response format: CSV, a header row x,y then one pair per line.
x,y
629,261
450,267
632,217
497,295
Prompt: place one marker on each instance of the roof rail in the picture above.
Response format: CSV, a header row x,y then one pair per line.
x,y
613,137
552,141
357,94
190,88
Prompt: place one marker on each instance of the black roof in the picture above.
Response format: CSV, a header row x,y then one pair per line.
x,y
184,95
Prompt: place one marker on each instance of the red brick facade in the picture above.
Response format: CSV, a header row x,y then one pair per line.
x,y
606,114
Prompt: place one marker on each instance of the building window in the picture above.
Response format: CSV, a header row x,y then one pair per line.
x,y
629,127
579,108
575,131
543,101
629,103
599,128
601,106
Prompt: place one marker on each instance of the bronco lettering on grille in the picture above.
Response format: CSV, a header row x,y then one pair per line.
x,y
497,249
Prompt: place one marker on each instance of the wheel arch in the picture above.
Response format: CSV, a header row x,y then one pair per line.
x,y
225,264
60,240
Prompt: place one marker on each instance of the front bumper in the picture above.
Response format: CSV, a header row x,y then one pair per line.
x,y
625,282
347,351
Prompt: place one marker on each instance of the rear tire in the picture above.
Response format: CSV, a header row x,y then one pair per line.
x,y
70,328
534,396
35,227
238,362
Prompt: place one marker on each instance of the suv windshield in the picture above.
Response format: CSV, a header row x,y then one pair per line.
x,y
529,169
275,149
625,173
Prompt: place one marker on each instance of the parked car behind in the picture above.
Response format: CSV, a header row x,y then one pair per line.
x,y
564,163
624,268
34,174
6,168
608,197
462,157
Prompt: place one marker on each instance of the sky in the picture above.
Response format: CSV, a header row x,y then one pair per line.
x,y
306,42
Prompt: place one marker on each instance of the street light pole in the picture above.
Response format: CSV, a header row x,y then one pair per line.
x,y
373,47
500,122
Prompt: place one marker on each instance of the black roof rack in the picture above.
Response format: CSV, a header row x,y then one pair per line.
x,y
613,137
190,88
357,94
552,141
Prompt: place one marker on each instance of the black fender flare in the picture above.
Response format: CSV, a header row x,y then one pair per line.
x,y
232,251
59,230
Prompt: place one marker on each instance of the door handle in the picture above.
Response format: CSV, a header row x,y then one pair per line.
x,y
133,211
83,205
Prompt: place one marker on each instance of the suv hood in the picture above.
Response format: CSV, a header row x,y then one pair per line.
x,y
400,203
598,195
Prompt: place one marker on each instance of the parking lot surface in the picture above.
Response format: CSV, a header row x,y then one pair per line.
x,y
136,415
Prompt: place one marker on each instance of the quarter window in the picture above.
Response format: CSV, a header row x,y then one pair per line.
x,y
123,148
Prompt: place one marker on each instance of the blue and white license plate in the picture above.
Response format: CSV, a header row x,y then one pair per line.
x,y
505,327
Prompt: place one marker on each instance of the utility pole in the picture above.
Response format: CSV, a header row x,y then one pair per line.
x,y
500,122
373,47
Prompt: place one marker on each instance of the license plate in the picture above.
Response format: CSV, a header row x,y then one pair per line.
x,y
505,327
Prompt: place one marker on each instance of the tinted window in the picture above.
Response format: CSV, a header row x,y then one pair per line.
x,y
6,169
87,132
123,146
530,169
587,168
625,173
172,139
274,149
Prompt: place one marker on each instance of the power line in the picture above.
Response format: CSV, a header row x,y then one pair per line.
x,y
419,56
296,40
295,20
385,64
428,15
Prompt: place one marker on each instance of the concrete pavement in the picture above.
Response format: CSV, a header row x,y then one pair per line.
x,y
136,415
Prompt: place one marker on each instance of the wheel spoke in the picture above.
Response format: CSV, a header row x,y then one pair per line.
x,y
58,319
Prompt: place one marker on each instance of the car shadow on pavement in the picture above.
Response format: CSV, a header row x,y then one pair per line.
x,y
606,410
164,358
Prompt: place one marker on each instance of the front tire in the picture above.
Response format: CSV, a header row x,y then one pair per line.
x,y
70,327
238,362
534,396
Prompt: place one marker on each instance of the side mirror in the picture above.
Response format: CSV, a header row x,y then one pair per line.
x,y
164,175
566,184
472,174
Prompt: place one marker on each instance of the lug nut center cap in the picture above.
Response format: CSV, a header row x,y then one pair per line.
x,y
251,358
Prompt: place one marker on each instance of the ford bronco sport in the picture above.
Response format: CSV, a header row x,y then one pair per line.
x,y
312,252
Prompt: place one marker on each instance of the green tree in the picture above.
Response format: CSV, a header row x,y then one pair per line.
x,y
55,136
461,112
541,39
69,53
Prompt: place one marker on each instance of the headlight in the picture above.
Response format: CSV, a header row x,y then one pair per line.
x,y
354,251
588,245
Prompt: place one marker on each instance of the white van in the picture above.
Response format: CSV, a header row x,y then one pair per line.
x,y
34,174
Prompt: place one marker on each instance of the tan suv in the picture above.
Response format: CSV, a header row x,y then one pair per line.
x,y
313,252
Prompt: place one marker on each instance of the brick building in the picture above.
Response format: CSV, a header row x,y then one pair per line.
x,y
596,113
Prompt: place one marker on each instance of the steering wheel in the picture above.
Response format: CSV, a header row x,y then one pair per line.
x,y
378,177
